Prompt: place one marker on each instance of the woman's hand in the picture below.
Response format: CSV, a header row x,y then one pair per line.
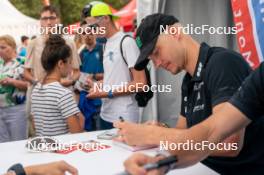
x,y
7,81
89,82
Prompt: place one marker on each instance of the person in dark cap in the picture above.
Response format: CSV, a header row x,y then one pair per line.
x,y
213,75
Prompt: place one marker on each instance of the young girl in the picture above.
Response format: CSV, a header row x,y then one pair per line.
x,y
54,110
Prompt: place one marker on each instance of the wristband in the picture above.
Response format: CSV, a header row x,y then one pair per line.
x,y
94,76
110,94
18,169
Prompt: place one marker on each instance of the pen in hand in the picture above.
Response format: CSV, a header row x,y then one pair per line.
x,y
161,163
121,119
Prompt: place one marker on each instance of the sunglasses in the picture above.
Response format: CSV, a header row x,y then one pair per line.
x,y
92,27
48,18
86,10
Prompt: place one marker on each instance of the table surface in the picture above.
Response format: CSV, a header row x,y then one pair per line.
x,y
103,162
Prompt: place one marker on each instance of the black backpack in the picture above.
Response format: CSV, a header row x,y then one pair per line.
x,y
143,97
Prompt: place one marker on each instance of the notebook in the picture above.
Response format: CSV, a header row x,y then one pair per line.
x,y
133,148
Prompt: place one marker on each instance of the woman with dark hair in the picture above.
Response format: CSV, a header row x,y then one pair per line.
x,y
53,106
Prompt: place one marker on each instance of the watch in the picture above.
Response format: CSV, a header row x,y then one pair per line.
x,y
18,169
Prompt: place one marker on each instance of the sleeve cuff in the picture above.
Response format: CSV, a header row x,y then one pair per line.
x,y
220,100
240,106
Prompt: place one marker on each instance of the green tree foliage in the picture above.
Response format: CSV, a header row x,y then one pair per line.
x,y
28,7
70,10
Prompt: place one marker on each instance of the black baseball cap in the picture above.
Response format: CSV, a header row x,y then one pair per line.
x,y
147,35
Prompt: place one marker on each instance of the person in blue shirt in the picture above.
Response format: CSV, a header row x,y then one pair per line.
x,y
23,50
92,65
91,57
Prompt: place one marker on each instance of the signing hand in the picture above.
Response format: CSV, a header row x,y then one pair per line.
x,y
156,123
134,134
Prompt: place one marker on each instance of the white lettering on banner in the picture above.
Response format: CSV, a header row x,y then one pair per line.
x,y
262,9
242,39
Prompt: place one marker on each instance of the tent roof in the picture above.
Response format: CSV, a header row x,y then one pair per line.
x,y
13,22
10,15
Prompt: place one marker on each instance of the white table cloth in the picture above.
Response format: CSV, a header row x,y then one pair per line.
x,y
103,162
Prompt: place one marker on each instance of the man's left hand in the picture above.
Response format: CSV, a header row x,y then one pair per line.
x,y
96,93
134,134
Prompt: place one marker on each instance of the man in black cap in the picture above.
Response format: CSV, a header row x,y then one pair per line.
x,y
213,75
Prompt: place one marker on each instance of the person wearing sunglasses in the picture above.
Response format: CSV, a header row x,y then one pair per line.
x,y
91,66
121,80
34,71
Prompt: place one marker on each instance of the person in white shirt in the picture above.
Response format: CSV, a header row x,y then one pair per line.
x,y
121,80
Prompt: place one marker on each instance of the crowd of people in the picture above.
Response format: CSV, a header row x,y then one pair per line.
x,y
49,97
50,88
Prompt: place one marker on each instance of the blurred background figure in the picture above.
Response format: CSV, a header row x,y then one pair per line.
x,y
13,122
78,42
121,80
34,71
23,49
91,68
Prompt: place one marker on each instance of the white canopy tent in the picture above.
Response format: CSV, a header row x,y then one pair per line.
x,y
15,23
